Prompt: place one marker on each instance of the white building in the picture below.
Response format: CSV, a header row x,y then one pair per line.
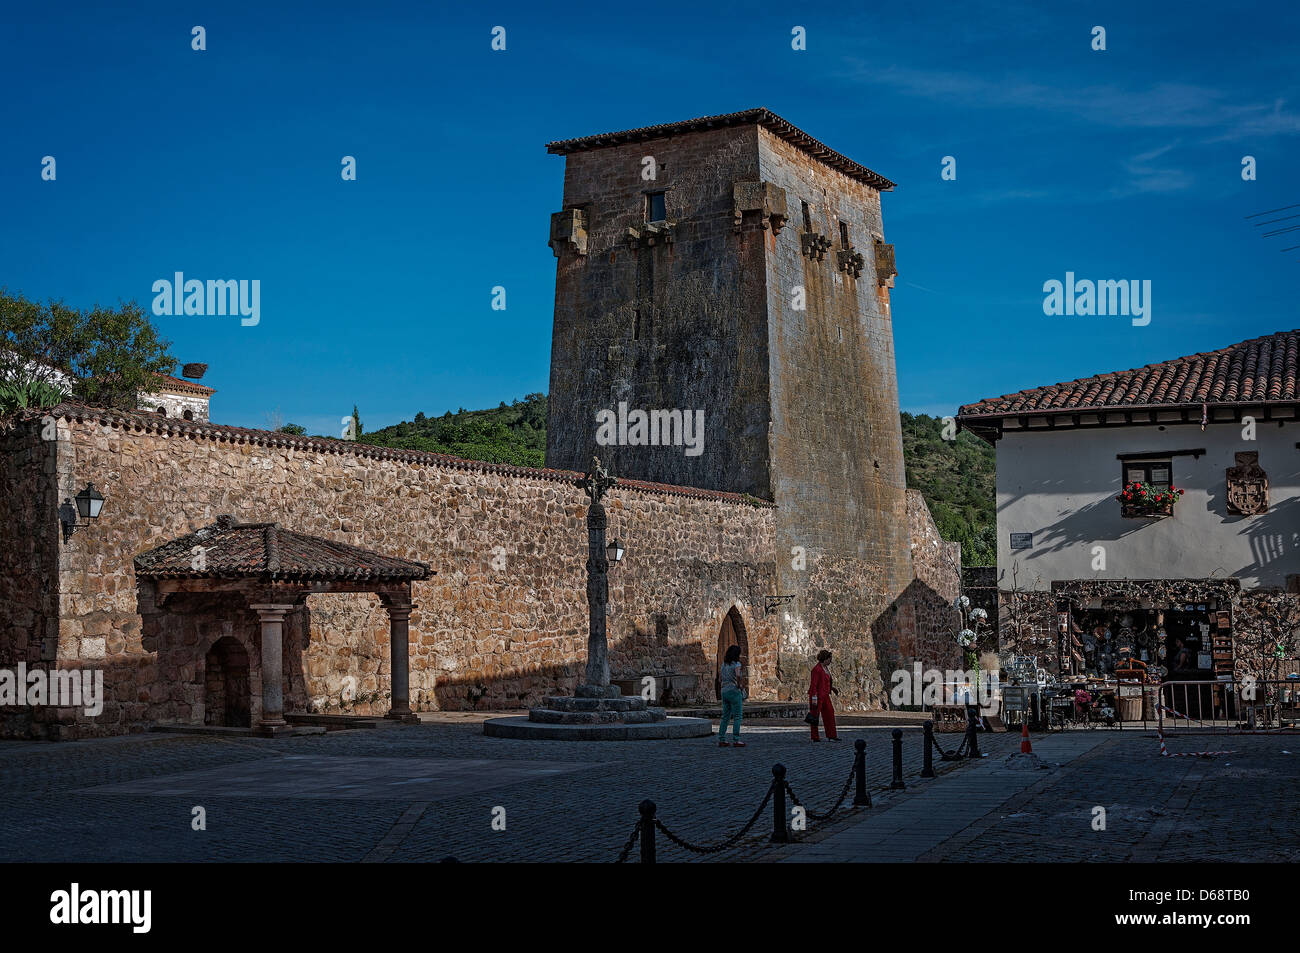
x,y
178,398
1221,427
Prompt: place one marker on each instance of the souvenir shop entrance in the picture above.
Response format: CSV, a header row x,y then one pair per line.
x,y
1119,651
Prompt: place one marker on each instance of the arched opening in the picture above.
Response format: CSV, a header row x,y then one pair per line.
x,y
227,695
731,633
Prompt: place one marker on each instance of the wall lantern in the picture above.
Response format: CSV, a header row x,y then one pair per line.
x,y
89,502
614,552
770,603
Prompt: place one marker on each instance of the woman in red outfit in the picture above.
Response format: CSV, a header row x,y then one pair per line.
x,y
819,696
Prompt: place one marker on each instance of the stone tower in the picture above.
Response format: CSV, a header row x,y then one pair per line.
x,y
732,270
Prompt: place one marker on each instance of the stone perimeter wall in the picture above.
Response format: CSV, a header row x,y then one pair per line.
x,y
481,637
29,546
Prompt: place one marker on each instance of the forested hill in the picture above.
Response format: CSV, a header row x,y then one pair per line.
x,y
955,476
512,433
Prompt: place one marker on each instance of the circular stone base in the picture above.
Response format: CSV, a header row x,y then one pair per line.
x,y
519,726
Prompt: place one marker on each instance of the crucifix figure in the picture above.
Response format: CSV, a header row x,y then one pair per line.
x,y
596,483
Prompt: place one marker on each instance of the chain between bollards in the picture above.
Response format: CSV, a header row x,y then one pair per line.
x,y
648,823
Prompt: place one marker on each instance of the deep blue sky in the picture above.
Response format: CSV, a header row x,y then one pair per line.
x,y
225,164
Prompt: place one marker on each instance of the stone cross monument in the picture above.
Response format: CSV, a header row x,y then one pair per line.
x,y
597,483
596,703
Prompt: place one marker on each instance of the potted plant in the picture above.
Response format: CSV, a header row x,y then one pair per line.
x,y
1139,499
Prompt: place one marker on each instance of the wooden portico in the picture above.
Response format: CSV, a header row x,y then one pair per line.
x,y
273,570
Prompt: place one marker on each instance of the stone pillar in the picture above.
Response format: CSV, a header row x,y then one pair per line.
x,y
399,620
272,616
597,675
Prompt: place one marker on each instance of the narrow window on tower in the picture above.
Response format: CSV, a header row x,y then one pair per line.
x,y
844,234
807,217
655,208
636,324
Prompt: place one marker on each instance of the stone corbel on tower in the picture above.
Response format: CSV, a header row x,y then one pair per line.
x,y
850,261
569,231
762,197
650,234
814,246
885,270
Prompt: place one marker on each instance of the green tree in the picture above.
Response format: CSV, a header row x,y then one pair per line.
x,y
295,429
957,479
109,355
356,423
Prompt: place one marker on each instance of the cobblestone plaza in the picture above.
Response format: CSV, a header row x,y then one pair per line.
x,y
432,791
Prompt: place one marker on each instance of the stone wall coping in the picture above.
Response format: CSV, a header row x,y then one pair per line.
x,y
132,421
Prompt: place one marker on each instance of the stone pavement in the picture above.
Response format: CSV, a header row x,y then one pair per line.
x,y
1237,807
409,793
432,791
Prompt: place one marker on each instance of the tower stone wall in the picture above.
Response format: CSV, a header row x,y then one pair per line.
x,y
678,324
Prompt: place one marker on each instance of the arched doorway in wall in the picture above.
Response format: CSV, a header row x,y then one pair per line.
x,y
227,694
731,633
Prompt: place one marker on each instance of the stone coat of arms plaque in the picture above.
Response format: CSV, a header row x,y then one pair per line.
x,y
1247,485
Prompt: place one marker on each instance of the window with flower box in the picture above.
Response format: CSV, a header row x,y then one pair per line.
x,y
1147,488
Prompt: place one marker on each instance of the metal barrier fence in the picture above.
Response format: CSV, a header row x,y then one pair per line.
x,y
1208,705
1229,707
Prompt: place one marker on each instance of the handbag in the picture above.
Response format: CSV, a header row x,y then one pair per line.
x,y
811,717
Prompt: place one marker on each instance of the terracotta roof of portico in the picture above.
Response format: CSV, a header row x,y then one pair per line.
x,y
268,551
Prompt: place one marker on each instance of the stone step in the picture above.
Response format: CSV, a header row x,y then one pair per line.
x,y
553,716
550,716
569,703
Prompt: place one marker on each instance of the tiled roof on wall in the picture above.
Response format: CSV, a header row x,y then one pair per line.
x,y
1252,372
152,423
761,117
268,551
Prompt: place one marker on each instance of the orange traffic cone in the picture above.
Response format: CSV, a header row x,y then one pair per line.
x,y
1025,746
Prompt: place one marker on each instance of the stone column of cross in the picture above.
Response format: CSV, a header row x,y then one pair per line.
x,y
597,483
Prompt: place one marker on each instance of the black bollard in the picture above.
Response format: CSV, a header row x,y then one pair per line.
x,y
779,833
897,784
861,798
973,729
927,759
647,809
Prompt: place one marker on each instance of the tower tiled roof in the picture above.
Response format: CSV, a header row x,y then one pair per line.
x,y
1256,371
175,384
763,117
268,551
